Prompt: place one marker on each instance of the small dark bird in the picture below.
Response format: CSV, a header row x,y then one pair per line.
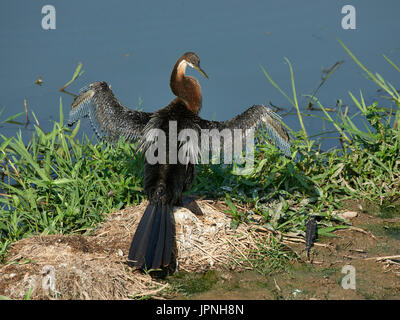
x,y
311,235
164,183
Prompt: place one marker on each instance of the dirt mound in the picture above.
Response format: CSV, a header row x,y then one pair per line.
x,y
94,266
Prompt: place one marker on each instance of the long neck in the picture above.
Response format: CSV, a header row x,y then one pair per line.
x,y
186,88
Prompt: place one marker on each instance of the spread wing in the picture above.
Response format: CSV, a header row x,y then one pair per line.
x,y
257,117
108,117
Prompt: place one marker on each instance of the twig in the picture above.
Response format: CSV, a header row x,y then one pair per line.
x,y
298,239
359,230
152,292
383,258
276,286
351,257
200,248
16,171
70,93
5,195
358,250
241,253
26,114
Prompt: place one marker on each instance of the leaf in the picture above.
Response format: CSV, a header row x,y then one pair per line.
x,y
234,224
230,204
5,143
28,294
327,231
63,181
19,147
77,72
75,76
11,119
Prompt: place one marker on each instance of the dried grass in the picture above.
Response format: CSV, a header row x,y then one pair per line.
x,y
94,266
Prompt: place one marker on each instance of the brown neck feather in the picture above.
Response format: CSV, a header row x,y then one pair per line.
x,y
186,88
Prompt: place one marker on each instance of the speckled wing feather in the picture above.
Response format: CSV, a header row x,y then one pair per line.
x,y
108,117
257,117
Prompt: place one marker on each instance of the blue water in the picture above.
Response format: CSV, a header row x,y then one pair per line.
x,y
133,46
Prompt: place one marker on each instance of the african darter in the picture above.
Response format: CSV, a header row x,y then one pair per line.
x,y
152,244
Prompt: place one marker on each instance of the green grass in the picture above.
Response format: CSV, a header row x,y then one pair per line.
x,y
270,257
58,184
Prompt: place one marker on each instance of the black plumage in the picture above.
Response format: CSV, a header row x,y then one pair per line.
x,y
311,235
164,183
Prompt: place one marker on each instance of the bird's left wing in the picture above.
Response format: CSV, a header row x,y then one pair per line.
x,y
256,117
108,117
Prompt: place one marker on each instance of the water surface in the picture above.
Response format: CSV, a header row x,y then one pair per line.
x,y
133,45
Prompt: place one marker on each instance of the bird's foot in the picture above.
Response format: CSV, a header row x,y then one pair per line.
x,y
191,205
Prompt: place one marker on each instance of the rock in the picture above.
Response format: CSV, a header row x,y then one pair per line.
x,y
345,214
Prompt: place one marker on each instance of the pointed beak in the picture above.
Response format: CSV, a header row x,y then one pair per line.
x,y
201,71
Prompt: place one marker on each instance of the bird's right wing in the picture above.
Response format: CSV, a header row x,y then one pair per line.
x,y
108,117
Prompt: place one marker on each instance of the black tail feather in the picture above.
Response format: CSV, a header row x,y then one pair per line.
x,y
169,235
151,247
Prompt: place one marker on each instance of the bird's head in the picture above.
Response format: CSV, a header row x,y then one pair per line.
x,y
192,60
